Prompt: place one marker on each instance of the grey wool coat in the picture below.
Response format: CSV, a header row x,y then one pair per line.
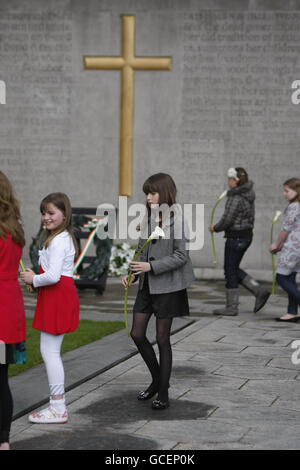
x,y
170,261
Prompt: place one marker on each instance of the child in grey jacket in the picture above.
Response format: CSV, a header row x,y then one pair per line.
x,y
165,271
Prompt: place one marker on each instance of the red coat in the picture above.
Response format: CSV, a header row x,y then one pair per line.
x,y
12,313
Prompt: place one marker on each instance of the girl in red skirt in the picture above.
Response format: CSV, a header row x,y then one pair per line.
x,y
12,314
57,310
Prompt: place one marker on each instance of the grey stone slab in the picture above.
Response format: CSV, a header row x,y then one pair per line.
x,y
255,372
182,355
284,363
268,351
247,337
283,336
257,415
209,381
226,399
271,325
285,404
286,388
204,430
270,436
205,336
209,347
213,446
229,359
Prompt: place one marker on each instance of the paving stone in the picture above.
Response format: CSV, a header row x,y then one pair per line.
x,y
225,399
286,388
201,429
256,415
229,359
270,436
255,372
213,446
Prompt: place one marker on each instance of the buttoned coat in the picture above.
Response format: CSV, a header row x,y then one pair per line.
x,y
169,257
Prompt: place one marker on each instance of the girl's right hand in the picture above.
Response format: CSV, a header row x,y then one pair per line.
x,y
125,280
273,249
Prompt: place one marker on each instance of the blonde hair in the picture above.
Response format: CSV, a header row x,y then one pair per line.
x,y
62,202
10,217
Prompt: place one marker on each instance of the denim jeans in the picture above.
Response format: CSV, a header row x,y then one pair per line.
x,y
235,249
288,283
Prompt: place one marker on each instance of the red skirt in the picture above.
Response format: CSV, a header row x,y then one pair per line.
x,y
57,309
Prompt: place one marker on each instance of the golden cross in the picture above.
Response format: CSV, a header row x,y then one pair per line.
x,y
127,63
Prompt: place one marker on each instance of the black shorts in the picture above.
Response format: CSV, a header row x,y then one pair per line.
x,y
169,305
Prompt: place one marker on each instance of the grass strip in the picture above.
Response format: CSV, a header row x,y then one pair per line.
x,y
87,332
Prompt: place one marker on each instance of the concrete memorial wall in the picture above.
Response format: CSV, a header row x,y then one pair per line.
x,y
225,102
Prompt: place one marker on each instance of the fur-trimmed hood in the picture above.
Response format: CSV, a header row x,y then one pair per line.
x,y
246,191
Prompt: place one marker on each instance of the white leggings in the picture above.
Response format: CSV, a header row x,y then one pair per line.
x,y
50,351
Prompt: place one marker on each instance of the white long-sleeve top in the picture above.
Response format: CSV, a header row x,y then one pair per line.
x,y
57,260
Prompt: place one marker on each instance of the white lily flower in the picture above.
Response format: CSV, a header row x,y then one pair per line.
x,y
158,232
277,215
222,195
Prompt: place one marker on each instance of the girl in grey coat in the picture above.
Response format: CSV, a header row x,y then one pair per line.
x,y
164,270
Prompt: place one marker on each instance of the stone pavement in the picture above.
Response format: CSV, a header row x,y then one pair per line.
x,y
233,384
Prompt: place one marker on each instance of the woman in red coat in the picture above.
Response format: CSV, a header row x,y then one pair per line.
x,y
12,314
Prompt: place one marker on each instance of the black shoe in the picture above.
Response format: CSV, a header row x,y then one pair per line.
x,y
160,405
145,395
289,320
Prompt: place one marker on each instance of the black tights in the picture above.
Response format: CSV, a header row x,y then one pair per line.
x,y
160,372
6,404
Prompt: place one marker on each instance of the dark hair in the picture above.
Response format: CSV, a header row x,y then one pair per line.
x,y
164,185
10,218
62,202
242,175
294,184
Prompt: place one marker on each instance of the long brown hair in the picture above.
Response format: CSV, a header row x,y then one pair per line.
x,y
62,202
10,218
164,185
294,184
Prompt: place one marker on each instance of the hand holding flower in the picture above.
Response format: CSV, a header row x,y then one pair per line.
x,y
27,276
28,286
139,267
211,228
273,248
125,280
